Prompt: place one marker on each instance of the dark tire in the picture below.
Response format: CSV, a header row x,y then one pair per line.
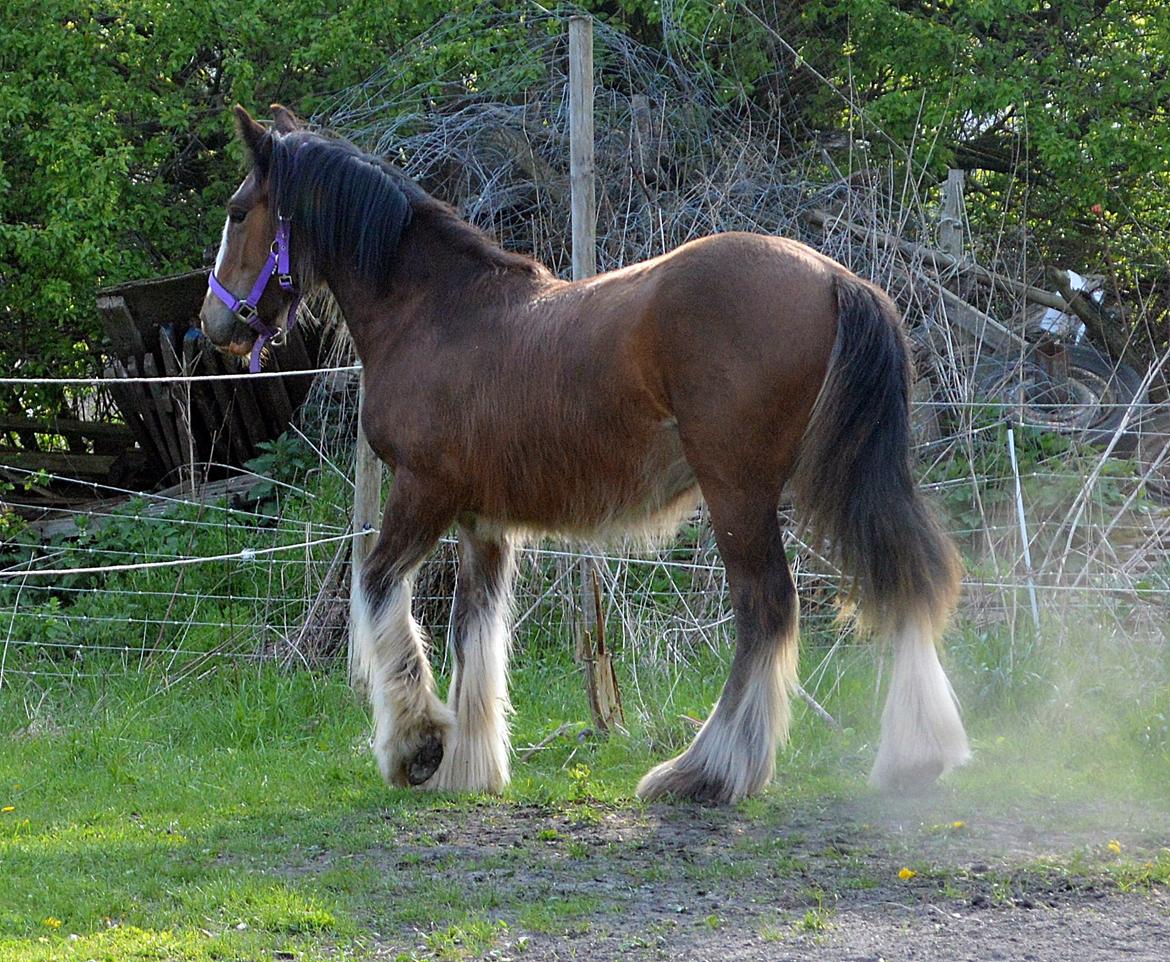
x,y
1090,403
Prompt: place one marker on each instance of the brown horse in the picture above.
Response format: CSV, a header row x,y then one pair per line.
x,y
510,403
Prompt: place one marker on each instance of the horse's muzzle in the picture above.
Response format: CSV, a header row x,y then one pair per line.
x,y
224,329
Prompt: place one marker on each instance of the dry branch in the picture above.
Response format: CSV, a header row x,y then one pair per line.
x,y
601,684
548,739
940,261
816,707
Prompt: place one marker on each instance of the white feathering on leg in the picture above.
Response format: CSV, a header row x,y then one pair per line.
x,y
734,754
406,710
476,758
922,733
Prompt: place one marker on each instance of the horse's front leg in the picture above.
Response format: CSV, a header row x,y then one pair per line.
x,y
411,725
476,757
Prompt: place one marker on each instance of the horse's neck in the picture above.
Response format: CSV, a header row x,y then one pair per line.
x,y
366,317
431,282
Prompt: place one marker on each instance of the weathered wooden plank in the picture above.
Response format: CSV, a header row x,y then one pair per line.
x,y
51,525
295,356
68,428
203,397
161,300
272,394
121,328
180,399
228,423
160,406
950,224
68,464
582,171
128,403
248,412
139,400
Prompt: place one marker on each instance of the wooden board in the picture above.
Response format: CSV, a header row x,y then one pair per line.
x,y
68,428
68,464
151,326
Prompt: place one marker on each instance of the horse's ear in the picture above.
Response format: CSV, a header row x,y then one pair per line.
x,y
254,136
284,119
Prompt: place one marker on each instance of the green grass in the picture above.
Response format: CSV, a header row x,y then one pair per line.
x,y
240,816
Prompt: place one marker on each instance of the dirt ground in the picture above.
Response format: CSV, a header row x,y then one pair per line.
x,y
592,882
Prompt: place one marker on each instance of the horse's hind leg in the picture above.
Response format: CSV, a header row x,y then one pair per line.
x,y
476,756
734,753
922,732
411,725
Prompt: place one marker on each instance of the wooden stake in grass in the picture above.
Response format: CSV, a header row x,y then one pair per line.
x,y
601,684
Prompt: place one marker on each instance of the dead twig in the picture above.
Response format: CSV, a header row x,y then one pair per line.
x,y
817,708
531,750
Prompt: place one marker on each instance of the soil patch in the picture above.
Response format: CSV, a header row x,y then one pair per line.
x,y
846,881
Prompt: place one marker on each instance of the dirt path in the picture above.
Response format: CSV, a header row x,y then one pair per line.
x,y
590,882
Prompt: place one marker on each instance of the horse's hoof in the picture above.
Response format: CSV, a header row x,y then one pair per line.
x,y
672,781
426,760
918,779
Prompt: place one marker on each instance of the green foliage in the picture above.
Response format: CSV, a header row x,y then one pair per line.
x,y
1056,107
117,154
117,149
1002,670
978,479
283,461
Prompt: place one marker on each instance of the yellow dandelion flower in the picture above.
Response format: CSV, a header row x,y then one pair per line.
x,y
907,874
958,825
52,922
8,808
1114,846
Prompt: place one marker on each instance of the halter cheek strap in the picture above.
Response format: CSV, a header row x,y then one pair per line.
x,y
245,309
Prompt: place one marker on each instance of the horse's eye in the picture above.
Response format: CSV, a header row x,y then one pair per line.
x,y
235,215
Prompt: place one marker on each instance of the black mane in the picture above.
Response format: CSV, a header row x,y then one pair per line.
x,y
346,206
350,209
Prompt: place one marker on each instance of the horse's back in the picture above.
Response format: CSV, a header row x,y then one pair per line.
x,y
769,296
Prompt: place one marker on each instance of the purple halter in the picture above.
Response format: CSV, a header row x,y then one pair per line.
x,y
245,310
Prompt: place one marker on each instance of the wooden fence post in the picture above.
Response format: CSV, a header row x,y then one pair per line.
x,y
581,165
600,680
950,225
367,506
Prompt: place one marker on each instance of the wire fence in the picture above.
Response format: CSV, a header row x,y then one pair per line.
x,y
268,582
1057,502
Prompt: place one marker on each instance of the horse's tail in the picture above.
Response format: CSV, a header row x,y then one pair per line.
x,y
854,487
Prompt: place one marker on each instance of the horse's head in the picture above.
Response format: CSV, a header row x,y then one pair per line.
x,y
251,290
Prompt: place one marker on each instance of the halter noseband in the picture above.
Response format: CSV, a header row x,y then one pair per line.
x,y
245,310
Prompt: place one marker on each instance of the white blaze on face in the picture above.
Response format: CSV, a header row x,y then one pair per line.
x,y
222,247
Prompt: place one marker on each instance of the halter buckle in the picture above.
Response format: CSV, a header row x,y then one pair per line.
x,y
245,311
